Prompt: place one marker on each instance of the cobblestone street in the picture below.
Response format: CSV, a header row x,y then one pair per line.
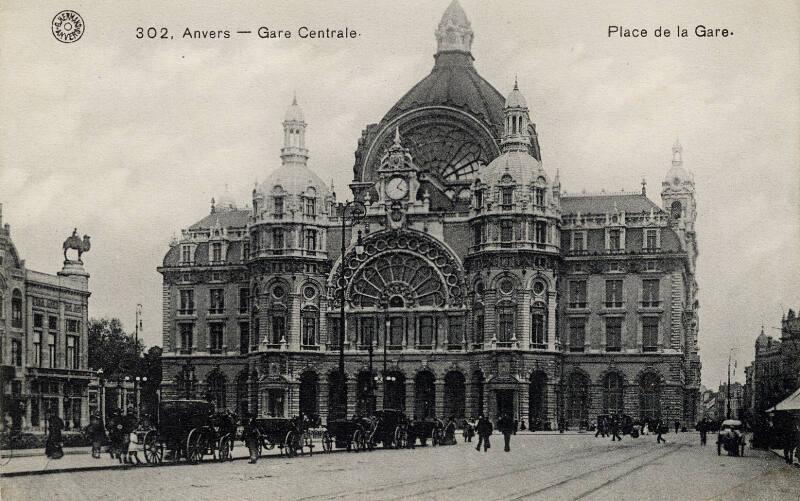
x,y
539,467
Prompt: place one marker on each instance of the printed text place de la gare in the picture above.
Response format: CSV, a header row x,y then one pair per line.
x,y
698,31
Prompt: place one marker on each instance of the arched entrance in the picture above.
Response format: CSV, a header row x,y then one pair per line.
x,y
454,396
395,391
242,395
477,394
364,399
649,397
537,402
577,399
425,395
216,390
309,390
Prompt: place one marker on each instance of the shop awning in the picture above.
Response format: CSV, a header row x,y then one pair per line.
x,y
790,403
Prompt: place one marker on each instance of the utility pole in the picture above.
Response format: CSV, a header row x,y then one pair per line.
x,y
138,325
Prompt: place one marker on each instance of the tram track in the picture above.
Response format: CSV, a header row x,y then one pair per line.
x,y
468,473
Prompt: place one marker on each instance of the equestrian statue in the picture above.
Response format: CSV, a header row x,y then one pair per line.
x,y
75,242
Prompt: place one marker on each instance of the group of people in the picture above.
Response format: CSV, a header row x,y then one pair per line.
x,y
483,428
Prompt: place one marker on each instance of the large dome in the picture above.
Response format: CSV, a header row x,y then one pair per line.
x,y
293,179
519,165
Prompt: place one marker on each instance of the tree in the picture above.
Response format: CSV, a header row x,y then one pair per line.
x,y
112,349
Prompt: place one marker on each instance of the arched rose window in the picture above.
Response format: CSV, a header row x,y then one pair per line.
x,y
402,280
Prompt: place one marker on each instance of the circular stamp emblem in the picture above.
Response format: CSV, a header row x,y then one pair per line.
x,y
68,26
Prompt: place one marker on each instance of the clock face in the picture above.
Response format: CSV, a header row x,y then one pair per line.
x,y
397,188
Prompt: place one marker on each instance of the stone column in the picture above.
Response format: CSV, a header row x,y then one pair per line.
x,y
551,320
524,404
352,395
410,397
439,392
293,332
469,399
524,323
322,398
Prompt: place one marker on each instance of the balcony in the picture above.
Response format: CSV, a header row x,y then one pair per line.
x,y
578,305
309,347
650,304
613,304
185,351
216,311
538,346
186,311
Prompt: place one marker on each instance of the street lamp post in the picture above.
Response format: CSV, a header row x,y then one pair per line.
x,y
138,325
728,410
102,396
352,212
137,382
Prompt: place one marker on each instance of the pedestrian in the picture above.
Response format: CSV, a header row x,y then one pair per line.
x,y
615,429
135,444
54,446
96,435
702,427
661,428
601,427
677,426
506,426
516,426
484,429
789,441
252,437
469,431
129,424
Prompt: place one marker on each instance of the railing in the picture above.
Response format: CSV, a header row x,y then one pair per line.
x,y
578,304
613,304
309,347
273,346
216,311
649,349
505,344
650,304
477,346
538,346
185,351
613,348
394,347
424,346
215,351
576,349
188,311
454,347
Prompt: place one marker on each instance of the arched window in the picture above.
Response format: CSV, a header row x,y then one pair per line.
x,y
308,393
454,396
186,382
479,327
216,390
539,326
506,320
612,394
242,395
650,397
537,401
16,309
278,325
425,396
577,398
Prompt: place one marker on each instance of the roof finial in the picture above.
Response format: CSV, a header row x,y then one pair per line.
x,y
454,32
397,136
644,187
294,98
677,153
213,204
516,85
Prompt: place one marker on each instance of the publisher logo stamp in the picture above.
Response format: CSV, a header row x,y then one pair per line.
x,y
68,26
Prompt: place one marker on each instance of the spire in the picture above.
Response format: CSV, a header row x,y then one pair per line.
x,y
294,149
397,136
644,187
677,153
455,31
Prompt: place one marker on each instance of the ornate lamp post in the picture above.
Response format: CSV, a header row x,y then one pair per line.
x,y
138,382
351,212
102,396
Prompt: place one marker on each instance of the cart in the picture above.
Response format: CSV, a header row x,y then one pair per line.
x,y
290,435
427,429
350,434
389,428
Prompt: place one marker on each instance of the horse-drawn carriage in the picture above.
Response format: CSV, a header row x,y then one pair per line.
x,y
389,428
189,429
351,434
290,435
429,428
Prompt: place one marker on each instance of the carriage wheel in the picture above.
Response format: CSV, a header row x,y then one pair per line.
x,y
371,441
225,447
327,442
742,452
153,451
398,438
307,444
436,437
260,448
194,446
289,445
356,441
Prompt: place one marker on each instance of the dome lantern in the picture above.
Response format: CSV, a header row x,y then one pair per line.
x,y
516,134
294,149
454,32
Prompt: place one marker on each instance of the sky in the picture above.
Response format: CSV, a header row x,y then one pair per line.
x,y
128,139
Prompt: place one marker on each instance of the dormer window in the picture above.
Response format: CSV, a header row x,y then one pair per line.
x,y
507,198
216,252
651,239
538,196
478,199
278,205
579,241
186,254
311,206
615,239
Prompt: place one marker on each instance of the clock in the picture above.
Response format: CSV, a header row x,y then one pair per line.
x,y
397,188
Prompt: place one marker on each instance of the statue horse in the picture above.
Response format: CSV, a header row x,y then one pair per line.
x,y
75,242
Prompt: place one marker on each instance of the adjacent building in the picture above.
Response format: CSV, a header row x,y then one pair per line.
x,y
775,372
476,282
43,341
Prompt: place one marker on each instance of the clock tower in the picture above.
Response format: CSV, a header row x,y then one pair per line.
x,y
398,182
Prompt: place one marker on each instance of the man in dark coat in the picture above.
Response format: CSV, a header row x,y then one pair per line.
x,y
661,428
702,427
506,426
601,427
677,426
484,430
615,429
251,437
53,447
96,435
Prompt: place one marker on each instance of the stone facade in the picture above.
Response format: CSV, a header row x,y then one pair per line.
x,y
43,341
775,372
471,282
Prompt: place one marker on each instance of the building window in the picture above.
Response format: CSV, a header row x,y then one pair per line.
x,y
216,390
480,327
505,323
244,337
579,240
650,334
541,232
278,202
612,394
477,234
577,398
216,252
52,323
396,331
613,334
277,239
577,294
73,326
333,332
650,292
73,352
508,198
278,327
245,250
538,196
16,353
478,198
366,332
539,326
244,300
311,206
187,337
216,301
187,302
311,241
37,348
425,332
506,233
614,240
186,254
651,239
613,293
16,309
310,320
455,332
216,337
577,334
51,350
